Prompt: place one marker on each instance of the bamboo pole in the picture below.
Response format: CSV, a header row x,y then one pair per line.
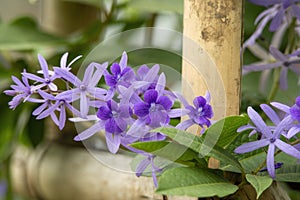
x,y
216,27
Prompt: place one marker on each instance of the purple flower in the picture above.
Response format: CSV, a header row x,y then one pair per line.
x,y
270,138
290,61
154,109
21,92
58,105
63,63
293,114
85,89
295,110
146,78
200,113
47,80
275,119
3,188
114,119
148,161
279,13
121,74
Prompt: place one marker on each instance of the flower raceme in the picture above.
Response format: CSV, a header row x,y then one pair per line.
x,y
133,105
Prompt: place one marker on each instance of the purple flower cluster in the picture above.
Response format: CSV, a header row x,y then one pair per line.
x,y
275,136
53,100
279,12
133,105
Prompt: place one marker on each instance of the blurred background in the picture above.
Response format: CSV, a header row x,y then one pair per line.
x,y
53,27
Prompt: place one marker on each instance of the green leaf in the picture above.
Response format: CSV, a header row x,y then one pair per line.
x,y
260,183
200,145
194,182
158,5
249,163
224,130
288,173
179,153
24,34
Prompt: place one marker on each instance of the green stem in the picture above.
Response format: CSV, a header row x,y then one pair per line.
x,y
275,86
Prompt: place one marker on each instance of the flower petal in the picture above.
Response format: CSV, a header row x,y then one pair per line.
x,y
100,69
63,73
142,167
110,80
150,96
185,124
84,106
141,109
123,61
44,65
33,77
178,112
88,74
112,127
38,110
161,84
251,146
48,111
152,74
293,131
113,142
295,112
104,113
283,78
89,132
270,160
287,148
277,20
115,69
281,107
63,60
270,113
62,117
165,102
259,123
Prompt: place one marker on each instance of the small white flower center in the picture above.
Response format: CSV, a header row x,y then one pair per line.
x,y
82,87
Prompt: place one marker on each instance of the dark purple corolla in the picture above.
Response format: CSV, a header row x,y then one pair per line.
x,y
154,109
295,110
114,119
121,74
294,114
86,89
269,137
199,114
285,62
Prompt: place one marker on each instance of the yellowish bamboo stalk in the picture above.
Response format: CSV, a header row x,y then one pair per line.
x,y
216,27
